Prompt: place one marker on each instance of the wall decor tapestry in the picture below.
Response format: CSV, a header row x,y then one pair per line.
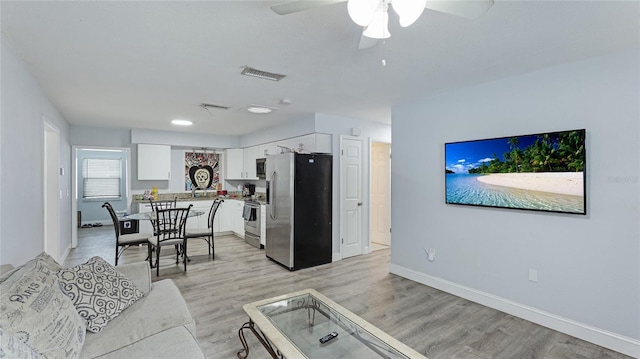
x,y
201,170
541,172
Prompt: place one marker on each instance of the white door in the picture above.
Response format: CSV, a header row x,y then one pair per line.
x,y
351,196
52,194
381,193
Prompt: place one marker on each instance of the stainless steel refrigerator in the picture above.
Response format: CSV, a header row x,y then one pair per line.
x,y
299,209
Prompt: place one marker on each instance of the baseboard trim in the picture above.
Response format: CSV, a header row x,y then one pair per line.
x,y
603,338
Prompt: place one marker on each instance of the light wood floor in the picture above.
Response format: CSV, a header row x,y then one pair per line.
x,y
437,324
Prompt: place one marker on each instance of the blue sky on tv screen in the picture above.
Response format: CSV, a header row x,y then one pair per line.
x,y
461,156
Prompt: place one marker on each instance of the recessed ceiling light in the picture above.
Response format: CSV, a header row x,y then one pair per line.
x,y
182,122
259,109
256,109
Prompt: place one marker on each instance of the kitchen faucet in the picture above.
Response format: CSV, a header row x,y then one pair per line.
x,y
193,191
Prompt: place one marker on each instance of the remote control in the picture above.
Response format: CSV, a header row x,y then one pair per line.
x,y
328,337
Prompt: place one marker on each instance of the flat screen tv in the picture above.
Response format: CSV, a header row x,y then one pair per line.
x,y
540,172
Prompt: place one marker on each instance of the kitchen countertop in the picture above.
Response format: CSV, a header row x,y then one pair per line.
x,y
186,197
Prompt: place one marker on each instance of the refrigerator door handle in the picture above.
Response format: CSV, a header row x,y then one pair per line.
x,y
272,212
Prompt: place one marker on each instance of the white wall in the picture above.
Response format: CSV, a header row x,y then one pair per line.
x,y
90,136
22,207
183,139
588,266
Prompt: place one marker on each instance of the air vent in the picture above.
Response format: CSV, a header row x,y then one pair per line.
x,y
207,106
249,71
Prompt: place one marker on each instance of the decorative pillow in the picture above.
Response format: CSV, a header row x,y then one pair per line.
x,y
43,260
12,347
34,310
98,291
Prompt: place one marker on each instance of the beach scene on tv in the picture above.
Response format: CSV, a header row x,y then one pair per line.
x,y
539,172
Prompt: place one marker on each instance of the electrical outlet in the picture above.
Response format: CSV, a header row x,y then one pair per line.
x,y
431,254
533,275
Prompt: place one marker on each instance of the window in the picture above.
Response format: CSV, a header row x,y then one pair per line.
x,y
101,178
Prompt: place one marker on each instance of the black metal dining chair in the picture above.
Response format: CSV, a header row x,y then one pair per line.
x,y
206,233
169,230
124,241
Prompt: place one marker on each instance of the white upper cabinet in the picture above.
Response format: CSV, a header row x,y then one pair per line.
x,y
154,162
240,164
234,163
268,149
250,156
323,143
315,142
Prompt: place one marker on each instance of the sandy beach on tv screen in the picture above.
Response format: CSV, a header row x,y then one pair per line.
x,y
569,183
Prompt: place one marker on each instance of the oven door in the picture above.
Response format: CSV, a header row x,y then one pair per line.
x,y
252,225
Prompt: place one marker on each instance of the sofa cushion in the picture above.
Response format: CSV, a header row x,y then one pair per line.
x,y
98,291
163,308
44,260
139,273
34,310
173,343
12,347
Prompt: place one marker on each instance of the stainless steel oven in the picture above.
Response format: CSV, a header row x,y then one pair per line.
x,y
252,223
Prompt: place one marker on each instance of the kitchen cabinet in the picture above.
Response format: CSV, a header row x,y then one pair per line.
x,y
323,143
250,156
154,162
268,149
234,163
223,216
144,226
237,222
198,221
314,142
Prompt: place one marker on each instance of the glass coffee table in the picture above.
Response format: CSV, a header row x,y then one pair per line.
x,y
291,326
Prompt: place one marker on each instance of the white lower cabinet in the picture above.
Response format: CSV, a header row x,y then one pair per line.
x,y
237,222
201,220
144,226
223,216
228,217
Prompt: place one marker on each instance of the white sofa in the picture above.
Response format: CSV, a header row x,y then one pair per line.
x,y
159,325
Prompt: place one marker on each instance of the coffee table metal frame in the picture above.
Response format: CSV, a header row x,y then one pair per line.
x,y
279,346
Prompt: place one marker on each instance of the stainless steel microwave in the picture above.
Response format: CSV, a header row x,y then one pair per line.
x,y
261,168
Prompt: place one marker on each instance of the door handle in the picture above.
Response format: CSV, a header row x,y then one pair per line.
x,y
359,204
272,213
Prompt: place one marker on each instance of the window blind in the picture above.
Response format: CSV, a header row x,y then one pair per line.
x,y
101,178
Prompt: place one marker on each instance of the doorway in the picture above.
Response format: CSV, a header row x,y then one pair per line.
x,y
52,194
99,174
380,228
351,196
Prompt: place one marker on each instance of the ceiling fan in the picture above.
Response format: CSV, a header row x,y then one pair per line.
x,y
373,15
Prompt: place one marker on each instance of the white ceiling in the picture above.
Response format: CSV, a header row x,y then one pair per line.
x,y
139,64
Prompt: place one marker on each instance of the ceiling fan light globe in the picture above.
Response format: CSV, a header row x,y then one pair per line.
x,y
362,11
379,27
408,10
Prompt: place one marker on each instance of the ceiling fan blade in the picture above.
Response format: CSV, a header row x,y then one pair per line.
x,y
301,5
470,9
367,42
